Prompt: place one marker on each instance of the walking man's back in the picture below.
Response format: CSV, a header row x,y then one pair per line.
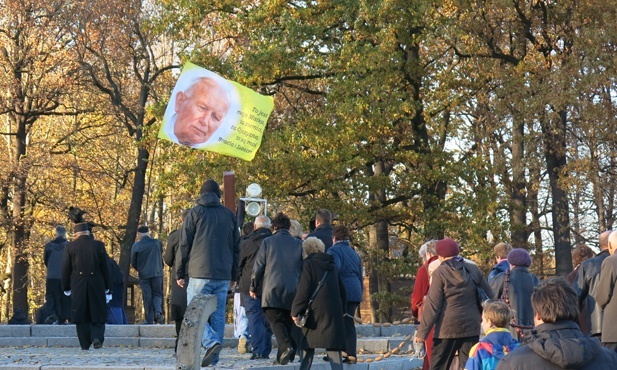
x,y
209,246
147,259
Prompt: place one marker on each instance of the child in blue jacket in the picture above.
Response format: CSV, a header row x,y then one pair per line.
x,y
497,342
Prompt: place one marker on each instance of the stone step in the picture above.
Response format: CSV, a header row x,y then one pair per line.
x,y
166,331
371,339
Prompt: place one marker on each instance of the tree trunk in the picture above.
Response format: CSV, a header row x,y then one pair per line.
x,y
518,198
555,156
137,196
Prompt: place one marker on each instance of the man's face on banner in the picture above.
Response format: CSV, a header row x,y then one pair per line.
x,y
200,111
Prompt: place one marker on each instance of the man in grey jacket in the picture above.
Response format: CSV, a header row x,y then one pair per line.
x,y
210,246
147,259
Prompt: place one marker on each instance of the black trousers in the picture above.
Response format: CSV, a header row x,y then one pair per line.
x,y
444,351
59,303
350,329
282,327
88,331
177,315
335,359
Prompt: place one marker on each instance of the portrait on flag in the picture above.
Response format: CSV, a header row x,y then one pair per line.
x,y
209,112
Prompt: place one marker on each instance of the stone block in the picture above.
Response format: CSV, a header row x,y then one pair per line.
x,y
121,331
395,342
367,331
90,367
21,367
121,341
157,331
53,331
23,342
63,341
395,364
373,345
14,331
157,342
397,330
229,331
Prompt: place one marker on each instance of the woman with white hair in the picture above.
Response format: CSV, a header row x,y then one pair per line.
x,y
420,290
324,327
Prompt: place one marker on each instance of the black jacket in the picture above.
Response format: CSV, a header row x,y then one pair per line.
x,y
323,232
210,241
53,257
277,270
147,257
325,327
86,274
520,288
587,288
561,345
171,259
249,247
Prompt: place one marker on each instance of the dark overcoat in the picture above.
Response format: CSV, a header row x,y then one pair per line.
x,y
606,297
171,258
86,275
325,326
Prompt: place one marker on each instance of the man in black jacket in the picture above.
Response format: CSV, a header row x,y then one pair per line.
x,y
557,342
276,273
147,259
59,304
587,284
259,328
209,246
178,293
323,227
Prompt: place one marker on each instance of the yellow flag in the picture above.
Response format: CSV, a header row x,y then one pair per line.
x,y
208,112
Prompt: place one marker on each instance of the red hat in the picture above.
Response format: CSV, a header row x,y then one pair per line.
x,y
447,248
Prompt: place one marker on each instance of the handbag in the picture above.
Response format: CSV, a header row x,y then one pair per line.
x,y
303,317
481,296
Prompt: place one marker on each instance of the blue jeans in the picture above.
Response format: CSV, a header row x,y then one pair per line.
x,y
215,327
259,327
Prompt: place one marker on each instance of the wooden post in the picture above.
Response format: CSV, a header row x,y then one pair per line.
x,y
229,190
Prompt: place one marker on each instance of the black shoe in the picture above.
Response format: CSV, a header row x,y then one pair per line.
x,y
97,344
210,353
257,356
286,356
159,319
326,358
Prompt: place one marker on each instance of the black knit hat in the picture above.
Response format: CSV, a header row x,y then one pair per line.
x,y
211,186
143,229
519,257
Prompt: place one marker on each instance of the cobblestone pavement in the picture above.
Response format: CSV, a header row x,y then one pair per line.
x,y
46,358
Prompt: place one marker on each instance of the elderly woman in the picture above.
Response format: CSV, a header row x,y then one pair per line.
x,y
324,327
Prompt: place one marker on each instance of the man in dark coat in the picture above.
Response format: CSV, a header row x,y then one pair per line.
x,y
323,227
275,274
349,267
178,293
59,304
605,296
587,284
259,328
147,259
115,307
557,342
85,276
449,309
324,327
519,283
210,246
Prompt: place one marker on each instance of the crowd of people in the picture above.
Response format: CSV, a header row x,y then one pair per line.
x,y
306,287
557,323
